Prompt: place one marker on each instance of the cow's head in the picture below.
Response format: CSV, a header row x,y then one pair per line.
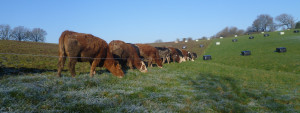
x,y
116,70
143,67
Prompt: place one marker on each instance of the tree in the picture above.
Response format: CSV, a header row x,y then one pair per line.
x,y
158,41
263,22
297,25
20,33
184,39
286,20
190,39
203,38
37,35
5,32
227,32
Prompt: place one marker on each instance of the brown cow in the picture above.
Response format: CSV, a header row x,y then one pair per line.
x,y
185,55
176,55
126,54
80,47
150,53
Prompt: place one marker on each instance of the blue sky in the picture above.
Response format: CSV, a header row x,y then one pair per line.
x,y
140,21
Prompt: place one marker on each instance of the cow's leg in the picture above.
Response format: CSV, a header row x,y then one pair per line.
x,y
168,60
129,63
72,64
93,67
61,63
164,59
150,62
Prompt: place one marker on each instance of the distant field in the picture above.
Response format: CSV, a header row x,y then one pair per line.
x,y
262,50
263,82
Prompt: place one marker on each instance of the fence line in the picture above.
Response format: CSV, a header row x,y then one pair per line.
x,y
58,56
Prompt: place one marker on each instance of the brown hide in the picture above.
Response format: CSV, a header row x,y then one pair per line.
x,y
126,54
175,55
150,53
185,54
80,47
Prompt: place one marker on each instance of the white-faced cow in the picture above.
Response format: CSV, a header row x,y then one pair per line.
x,y
176,55
185,55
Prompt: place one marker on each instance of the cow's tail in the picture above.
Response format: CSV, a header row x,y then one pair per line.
x,y
61,46
62,52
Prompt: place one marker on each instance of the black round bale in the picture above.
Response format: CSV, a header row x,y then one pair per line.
x,y
234,40
246,53
296,31
201,46
280,49
266,35
251,37
206,57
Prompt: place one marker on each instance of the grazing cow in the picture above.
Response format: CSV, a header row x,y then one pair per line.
x,y
164,53
193,56
126,54
176,55
80,47
150,53
185,55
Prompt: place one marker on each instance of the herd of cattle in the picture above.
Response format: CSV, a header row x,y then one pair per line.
x,y
115,56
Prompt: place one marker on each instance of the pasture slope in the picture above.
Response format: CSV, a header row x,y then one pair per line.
x,y
263,82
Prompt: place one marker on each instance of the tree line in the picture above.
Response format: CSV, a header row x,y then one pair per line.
x,y
22,33
263,23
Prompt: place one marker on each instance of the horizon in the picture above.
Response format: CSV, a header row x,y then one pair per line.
x,y
140,21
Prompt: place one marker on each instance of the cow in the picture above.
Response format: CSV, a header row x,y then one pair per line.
x,y
164,53
80,47
126,54
192,56
176,55
150,54
185,55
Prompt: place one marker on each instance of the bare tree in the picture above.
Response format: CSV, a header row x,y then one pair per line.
x,y
297,25
203,38
158,41
257,26
227,32
190,39
286,20
5,32
184,39
20,33
37,35
263,22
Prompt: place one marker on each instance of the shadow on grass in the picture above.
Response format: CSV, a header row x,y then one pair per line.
x,y
21,71
226,94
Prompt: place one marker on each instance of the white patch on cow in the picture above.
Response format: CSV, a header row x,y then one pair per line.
x,y
143,66
181,59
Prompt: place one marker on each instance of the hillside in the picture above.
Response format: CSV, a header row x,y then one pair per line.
x,y
191,46
263,82
262,52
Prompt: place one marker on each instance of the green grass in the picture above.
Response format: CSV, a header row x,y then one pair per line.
x,y
200,86
262,50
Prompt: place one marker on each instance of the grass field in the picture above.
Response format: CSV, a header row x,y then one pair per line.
x,y
261,82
